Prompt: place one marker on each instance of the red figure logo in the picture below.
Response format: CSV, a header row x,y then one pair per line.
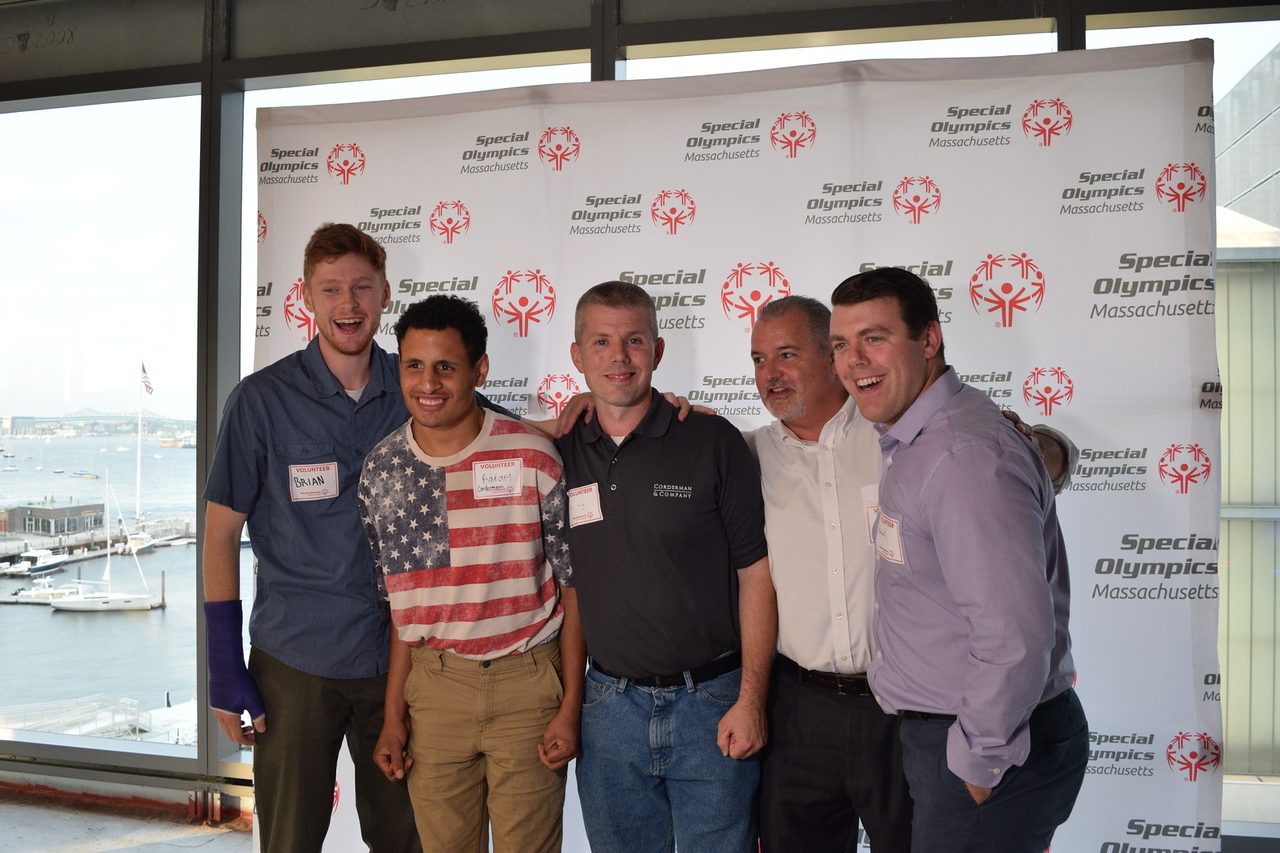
x,y
558,146
522,298
337,795
671,209
345,162
1180,183
450,219
1008,284
916,197
555,390
1046,120
1191,754
296,313
750,287
1047,387
262,227
1184,464
791,132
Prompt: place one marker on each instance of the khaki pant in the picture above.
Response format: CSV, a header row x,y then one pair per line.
x,y
474,735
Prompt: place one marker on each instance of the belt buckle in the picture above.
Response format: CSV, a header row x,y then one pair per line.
x,y
840,685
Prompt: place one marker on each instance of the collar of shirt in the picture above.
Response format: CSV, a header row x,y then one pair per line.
x,y
839,425
919,413
654,424
383,373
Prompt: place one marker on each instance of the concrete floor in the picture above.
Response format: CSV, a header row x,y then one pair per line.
x,y
34,824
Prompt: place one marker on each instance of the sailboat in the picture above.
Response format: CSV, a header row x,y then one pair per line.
x,y
98,595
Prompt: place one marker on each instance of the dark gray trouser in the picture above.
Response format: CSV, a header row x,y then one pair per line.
x,y
1026,807
295,760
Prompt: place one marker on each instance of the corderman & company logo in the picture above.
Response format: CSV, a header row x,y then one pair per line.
x,y
1180,184
673,209
523,298
1008,284
916,197
791,133
1190,754
262,227
449,220
1045,120
555,391
1047,388
1183,466
345,161
296,313
750,287
559,146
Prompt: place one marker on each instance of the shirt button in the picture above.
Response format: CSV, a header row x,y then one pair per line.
x,y
828,484
844,657
879,655
839,615
613,487
485,663
833,525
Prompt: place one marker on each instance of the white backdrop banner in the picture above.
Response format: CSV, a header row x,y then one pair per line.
x,y
1060,205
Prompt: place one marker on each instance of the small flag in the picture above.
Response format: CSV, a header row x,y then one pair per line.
x,y
146,380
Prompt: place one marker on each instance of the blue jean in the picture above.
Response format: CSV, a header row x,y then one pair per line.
x,y
650,776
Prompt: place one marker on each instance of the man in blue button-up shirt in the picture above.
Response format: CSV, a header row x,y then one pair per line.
x,y
292,441
972,589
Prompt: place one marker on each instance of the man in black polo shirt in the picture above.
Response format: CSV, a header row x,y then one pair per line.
x,y
667,538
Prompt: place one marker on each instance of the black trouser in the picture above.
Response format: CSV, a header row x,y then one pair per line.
x,y
831,761
295,760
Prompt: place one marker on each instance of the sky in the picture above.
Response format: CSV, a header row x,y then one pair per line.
x,y
98,217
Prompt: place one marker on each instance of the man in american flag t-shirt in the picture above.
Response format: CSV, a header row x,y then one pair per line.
x,y
465,514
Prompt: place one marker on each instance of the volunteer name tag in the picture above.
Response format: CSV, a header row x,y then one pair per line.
x,y
889,539
497,478
313,482
584,505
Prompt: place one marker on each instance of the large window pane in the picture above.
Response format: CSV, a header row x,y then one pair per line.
x,y
99,222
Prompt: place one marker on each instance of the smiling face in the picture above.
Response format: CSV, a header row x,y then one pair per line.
x,y
794,375
878,361
617,352
439,383
346,295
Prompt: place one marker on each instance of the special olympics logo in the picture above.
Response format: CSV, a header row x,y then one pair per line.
x,y
296,313
1047,387
345,162
337,796
1046,120
1192,754
1181,183
1008,284
449,219
750,287
558,146
522,298
1184,464
262,227
916,197
792,131
555,391
672,209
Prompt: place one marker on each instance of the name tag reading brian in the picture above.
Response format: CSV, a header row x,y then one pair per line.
x,y
497,478
313,482
889,539
584,505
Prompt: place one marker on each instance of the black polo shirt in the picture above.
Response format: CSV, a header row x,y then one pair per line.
x,y
655,566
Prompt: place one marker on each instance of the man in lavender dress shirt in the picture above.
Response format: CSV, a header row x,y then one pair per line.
x,y
972,589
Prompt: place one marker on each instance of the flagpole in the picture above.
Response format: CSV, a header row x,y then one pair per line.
x,y
137,471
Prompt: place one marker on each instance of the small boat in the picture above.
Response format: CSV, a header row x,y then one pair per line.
x,y
59,470
44,592
137,543
97,596
84,474
9,468
35,563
